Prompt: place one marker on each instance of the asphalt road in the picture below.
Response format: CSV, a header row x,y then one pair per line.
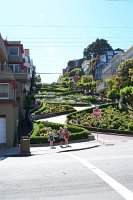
x,y
102,173
62,118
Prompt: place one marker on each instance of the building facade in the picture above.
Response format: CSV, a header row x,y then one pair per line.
x,y
14,84
112,67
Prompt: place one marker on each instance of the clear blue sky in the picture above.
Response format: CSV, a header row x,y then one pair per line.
x,y
57,31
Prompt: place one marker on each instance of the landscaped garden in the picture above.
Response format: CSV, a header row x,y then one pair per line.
x,y
53,108
41,129
111,118
59,99
67,97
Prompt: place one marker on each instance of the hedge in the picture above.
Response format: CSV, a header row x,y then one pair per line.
x,y
75,132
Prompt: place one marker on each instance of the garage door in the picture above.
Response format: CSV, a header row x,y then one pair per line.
x,y
2,130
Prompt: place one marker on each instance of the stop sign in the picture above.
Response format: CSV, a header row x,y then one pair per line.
x,y
97,112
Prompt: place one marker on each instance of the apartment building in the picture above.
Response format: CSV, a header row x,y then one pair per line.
x,y
85,65
112,67
99,65
72,64
15,78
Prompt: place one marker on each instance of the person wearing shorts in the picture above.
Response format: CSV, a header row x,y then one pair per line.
x,y
61,136
51,139
66,133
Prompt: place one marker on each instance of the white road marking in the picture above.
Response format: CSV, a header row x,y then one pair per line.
x,y
123,191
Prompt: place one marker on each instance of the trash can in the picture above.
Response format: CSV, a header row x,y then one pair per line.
x,y
25,144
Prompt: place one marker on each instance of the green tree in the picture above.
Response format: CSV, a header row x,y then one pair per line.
x,y
125,71
64,80
86,79
71,84
113,94
110,83
77,71
93,64
97,48
127,92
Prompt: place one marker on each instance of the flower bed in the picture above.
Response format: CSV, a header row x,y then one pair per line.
x,y
111,119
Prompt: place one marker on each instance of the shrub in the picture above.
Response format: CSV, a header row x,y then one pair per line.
x,y
38,138
36,130
130,126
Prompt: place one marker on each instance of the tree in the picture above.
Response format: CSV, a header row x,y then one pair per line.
x,y
127,92
97,48
86,79
119,49
92,68
113,94
77,71
71,84
125,71
110,83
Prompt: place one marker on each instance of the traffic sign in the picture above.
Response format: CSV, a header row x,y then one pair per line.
x,y
97,112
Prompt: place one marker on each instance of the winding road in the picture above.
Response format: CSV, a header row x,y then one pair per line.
x,y
62,118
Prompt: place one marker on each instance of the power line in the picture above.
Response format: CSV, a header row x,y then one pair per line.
x,y
47,73
120,0
57,46
62,38
62,26
61,47
69,42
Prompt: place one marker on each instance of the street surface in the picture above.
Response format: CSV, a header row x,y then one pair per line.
x,y
62,118
101,173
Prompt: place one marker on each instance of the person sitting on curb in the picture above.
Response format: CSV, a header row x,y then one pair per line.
x,y
51,138
66,133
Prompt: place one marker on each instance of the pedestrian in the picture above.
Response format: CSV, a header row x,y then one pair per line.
x,y
51,138
61,136
66,133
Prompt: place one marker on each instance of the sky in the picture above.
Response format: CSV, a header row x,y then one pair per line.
x,y
57,31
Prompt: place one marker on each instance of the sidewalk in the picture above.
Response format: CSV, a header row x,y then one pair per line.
x,y
42,150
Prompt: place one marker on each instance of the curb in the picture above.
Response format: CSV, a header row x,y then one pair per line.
x,y
17,155
38,151
60,151
79,149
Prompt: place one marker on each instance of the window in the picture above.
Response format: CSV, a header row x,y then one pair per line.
x,y
14,68
4,91
13,51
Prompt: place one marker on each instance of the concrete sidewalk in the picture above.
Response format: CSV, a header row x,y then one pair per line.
x,y
42,150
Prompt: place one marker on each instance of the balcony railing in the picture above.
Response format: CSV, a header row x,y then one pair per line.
x,y
7,73
21,77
